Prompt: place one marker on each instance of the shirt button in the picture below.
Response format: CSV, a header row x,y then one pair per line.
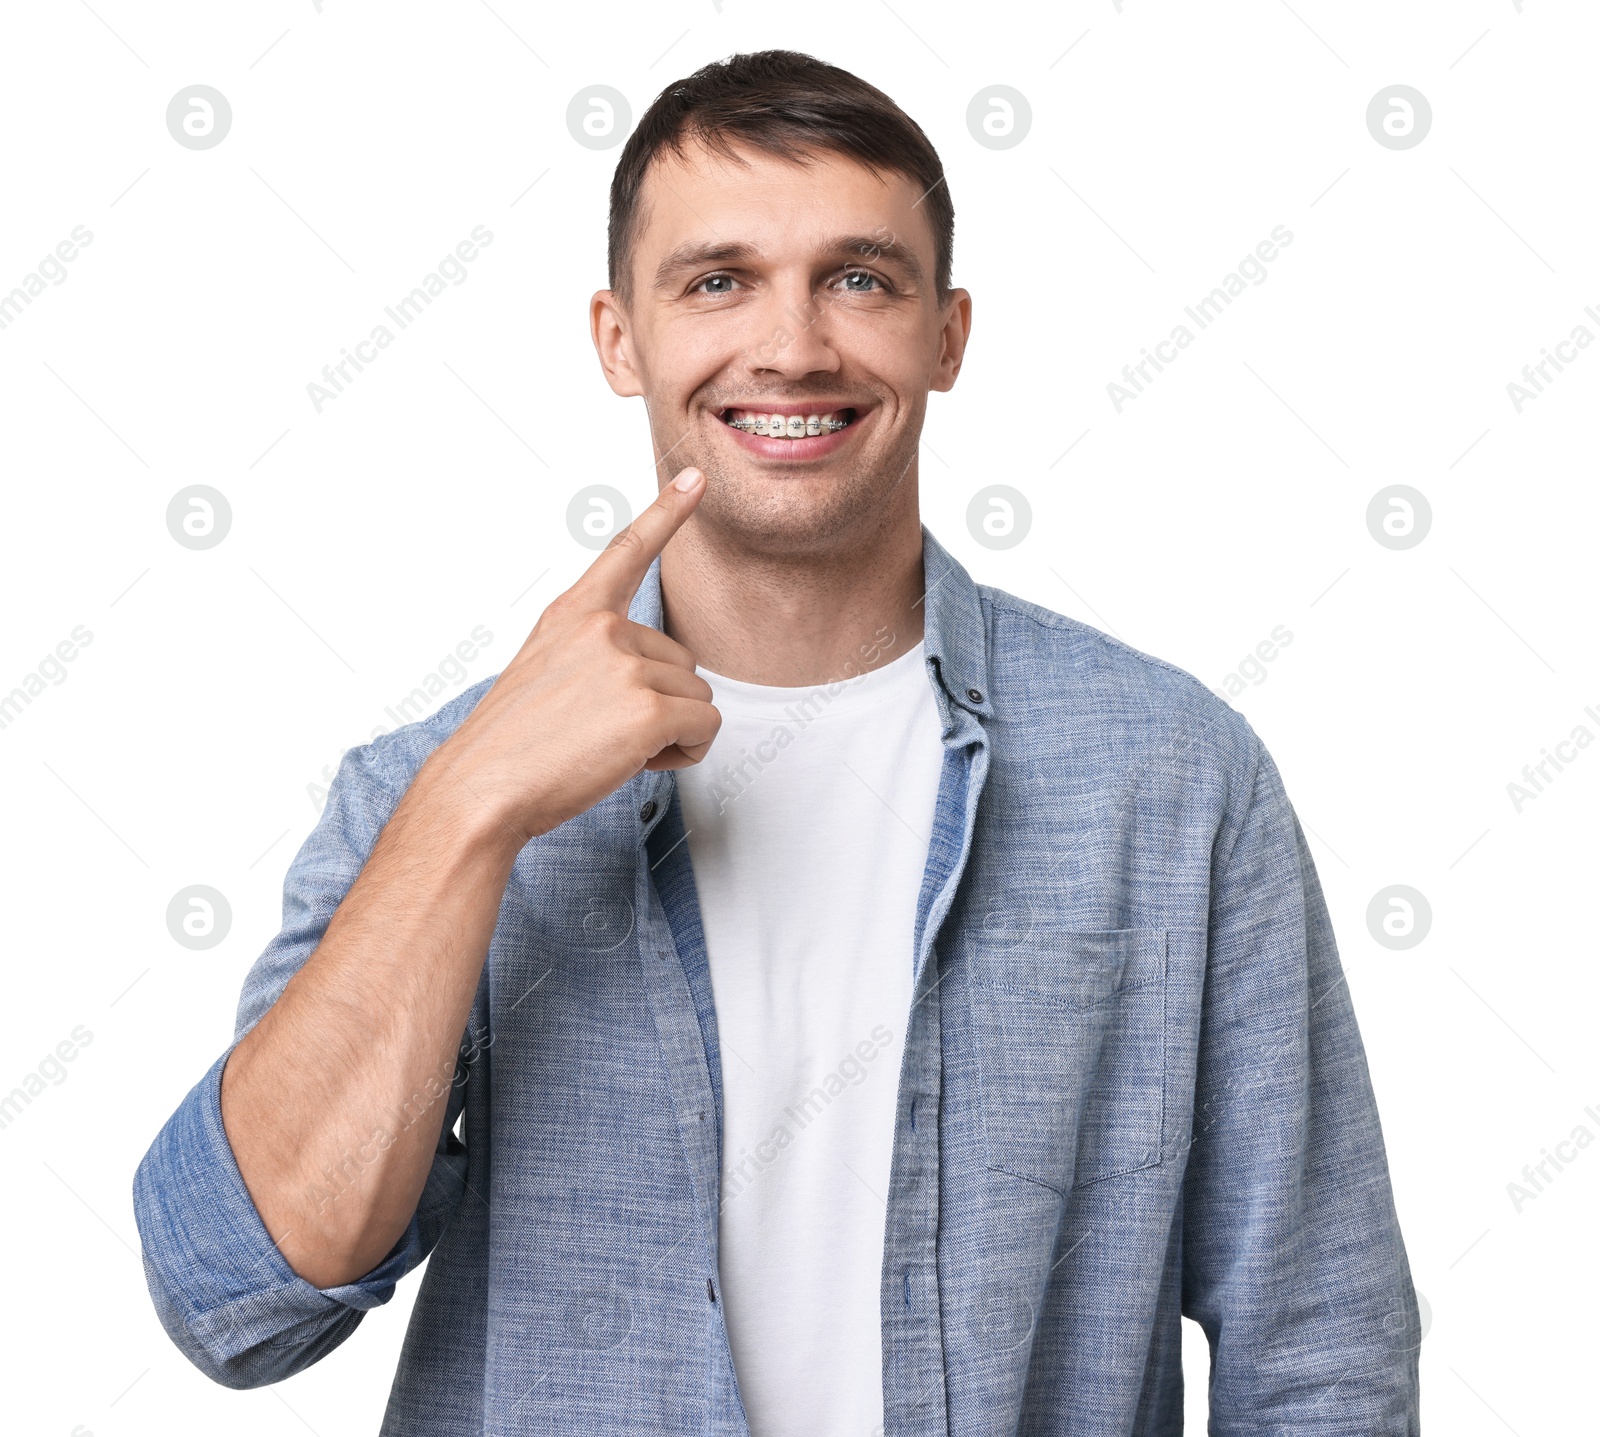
x,y
648,811
976,695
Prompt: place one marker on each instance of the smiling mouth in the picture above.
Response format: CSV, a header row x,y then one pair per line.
x,y
788,426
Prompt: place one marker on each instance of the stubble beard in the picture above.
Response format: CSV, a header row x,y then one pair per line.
x,y
803,517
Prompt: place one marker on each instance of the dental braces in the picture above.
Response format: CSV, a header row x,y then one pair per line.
x,y
792,426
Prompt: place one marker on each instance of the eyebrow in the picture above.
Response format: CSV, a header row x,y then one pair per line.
x,y
695,254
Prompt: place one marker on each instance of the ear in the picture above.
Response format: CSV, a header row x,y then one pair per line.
x,y
608,327
952,340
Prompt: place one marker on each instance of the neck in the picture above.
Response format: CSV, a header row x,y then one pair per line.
x,y
794,620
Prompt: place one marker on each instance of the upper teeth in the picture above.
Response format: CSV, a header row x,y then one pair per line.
x,y
788,426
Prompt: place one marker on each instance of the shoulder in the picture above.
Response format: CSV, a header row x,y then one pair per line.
x,y
1067,674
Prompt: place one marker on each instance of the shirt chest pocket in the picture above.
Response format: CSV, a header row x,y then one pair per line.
x,y
1070,1032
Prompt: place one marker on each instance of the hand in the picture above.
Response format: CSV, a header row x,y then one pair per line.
x,y
591,698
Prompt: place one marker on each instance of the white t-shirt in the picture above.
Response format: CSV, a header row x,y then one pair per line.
x,y
808,828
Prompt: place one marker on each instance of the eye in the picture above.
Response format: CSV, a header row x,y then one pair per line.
x,y
861,274
725,281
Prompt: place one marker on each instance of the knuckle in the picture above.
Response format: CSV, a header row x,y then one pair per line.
x,y
560,613
626,542
651,708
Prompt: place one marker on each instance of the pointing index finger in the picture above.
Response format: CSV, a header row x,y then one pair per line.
x,y
617,572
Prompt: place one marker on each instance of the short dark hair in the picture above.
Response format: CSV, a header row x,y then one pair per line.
x,y
787,104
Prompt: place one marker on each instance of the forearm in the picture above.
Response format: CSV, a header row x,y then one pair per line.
x,y
333,1102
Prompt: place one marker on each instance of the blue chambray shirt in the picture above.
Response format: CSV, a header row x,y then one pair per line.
x,y
1132,1089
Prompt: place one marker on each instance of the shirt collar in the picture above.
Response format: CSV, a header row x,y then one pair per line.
x,y
954,638
954,634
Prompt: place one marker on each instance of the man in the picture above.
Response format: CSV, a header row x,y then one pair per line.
x,y
888,1005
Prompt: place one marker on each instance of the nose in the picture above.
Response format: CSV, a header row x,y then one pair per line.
x,y
792,331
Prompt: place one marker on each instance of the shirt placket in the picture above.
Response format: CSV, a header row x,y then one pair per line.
x,y
678,984
913,1339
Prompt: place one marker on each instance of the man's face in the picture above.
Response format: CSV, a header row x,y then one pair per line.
x,y
807,290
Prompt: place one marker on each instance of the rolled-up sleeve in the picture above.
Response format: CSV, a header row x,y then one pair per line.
x,y
223,1290
1293,1260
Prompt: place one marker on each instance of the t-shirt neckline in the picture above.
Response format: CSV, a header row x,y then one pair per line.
x,y
764,695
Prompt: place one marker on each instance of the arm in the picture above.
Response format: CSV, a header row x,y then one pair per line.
x,y
314,1164
1293,1260
223,1289
326,1099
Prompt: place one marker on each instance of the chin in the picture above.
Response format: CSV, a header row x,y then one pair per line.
x,y
781,517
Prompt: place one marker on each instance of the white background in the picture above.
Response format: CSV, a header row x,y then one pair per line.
x,y
1167,140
